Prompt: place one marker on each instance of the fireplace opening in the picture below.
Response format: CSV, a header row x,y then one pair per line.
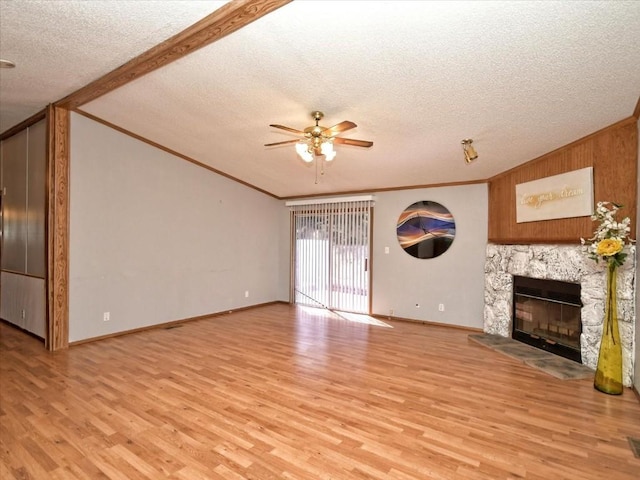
x,y
547,315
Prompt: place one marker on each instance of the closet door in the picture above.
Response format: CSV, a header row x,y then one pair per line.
x,y
23,260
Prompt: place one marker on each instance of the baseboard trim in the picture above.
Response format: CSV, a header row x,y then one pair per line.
x,y
427,322
172,323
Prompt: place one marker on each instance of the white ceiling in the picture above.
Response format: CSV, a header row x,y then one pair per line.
x,y
520,78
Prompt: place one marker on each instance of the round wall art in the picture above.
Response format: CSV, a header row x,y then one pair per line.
x,y
426,229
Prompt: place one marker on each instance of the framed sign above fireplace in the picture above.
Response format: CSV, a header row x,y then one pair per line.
x,y
559,196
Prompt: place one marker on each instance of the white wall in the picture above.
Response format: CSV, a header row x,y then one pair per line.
x,y
455,278
154,238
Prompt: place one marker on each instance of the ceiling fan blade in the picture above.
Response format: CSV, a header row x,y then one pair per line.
x,y
280,143
288,129
340,127
351,141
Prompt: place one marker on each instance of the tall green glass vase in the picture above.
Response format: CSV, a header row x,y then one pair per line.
x,y
608,377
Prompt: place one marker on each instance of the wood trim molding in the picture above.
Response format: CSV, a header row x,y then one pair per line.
x,y
426,322
227,19
636,111
58,229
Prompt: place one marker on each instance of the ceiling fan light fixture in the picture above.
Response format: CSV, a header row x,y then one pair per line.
x,y
302,149
470,153
317,142
327,150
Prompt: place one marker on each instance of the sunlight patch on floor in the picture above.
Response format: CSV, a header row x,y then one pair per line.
x,y
362,318
351,317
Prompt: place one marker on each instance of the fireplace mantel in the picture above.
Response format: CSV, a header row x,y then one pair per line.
x,y
569,264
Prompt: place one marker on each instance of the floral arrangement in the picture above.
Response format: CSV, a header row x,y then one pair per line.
x,y
611,236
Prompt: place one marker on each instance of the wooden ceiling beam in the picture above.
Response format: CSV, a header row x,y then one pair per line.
x,y
227,19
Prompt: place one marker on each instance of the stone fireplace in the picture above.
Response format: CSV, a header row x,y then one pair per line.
x,y
567,264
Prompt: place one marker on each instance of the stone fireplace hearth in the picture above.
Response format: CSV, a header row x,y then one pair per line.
x,y
569,264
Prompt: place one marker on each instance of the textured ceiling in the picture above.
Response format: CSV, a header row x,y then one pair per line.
x,y
60,46
520,78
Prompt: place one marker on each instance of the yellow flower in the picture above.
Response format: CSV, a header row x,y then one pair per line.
x,y
609,247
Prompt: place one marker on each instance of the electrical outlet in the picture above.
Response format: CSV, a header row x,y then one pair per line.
x,y
24,314
386,250
441,307
106,316
246,294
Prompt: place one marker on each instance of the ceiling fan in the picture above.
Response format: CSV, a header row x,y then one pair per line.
x,y
319,140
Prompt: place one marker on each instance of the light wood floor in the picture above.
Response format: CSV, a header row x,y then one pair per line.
x,y
282,393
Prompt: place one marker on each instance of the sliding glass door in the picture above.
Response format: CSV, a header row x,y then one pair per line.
x,y
331,255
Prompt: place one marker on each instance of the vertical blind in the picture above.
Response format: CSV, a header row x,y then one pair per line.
x,y
331,254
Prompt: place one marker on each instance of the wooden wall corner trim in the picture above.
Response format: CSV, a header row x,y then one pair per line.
x,y
636,111
58,138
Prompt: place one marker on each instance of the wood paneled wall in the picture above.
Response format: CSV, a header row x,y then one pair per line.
x,y
613,154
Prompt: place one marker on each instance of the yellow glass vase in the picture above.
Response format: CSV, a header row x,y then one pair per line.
x,y
608,377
